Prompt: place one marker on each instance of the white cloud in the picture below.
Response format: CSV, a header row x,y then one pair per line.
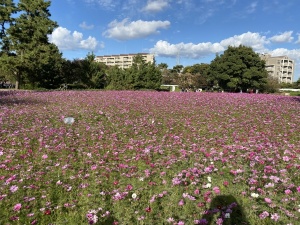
x,y
284,37
252,7
293,53
188,50
254,40
156,5
187,4
126,30
65,40
85,26
258,42
204,49
107,4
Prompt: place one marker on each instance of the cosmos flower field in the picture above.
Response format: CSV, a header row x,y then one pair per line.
x,y
149,158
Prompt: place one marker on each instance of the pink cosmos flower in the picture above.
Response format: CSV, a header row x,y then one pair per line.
x,y
13,218
13,188
17,207
225,183
170,220
219,221
201,222
181,202
93,167
216,190
275,216
129,187
176,181
267,200
286,158
264,215
287,191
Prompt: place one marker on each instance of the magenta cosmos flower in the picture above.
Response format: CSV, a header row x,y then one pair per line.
x,y
17,207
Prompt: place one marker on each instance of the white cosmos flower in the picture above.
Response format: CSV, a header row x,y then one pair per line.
x,y
208,185
254,195
134,195
209,179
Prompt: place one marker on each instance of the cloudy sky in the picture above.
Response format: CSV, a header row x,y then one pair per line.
x,y
181,32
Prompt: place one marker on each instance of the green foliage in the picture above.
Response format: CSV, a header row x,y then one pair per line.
x,y
116,79
92,74
199,75
7,8
162,66
169,77
185,80
177,68
239,68
290,85
27,55
272,85
197,69
140,75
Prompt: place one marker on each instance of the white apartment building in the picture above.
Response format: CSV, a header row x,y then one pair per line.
x,y
280,67
123,60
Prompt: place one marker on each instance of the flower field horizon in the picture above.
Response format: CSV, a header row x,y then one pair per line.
x,y
149,158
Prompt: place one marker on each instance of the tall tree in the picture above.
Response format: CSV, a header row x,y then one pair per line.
x,y
199,74
162,66
7,8
28,38
177,69
153,77
116,79
92,73
140,75
239,68
145,75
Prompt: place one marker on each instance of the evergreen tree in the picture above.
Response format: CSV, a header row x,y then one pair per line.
x,y
137,72
239,68
93,73
35,59
7,8
116,79
140,75
143,75
153,77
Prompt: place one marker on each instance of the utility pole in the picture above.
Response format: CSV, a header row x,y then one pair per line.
x,y
178,59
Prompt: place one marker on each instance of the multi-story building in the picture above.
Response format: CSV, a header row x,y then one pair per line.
x,y
280,67
123,60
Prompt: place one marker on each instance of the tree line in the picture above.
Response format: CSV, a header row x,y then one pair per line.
x,y
27,58
237,69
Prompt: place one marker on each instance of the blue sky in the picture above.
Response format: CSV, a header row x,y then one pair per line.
x,y
176,31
